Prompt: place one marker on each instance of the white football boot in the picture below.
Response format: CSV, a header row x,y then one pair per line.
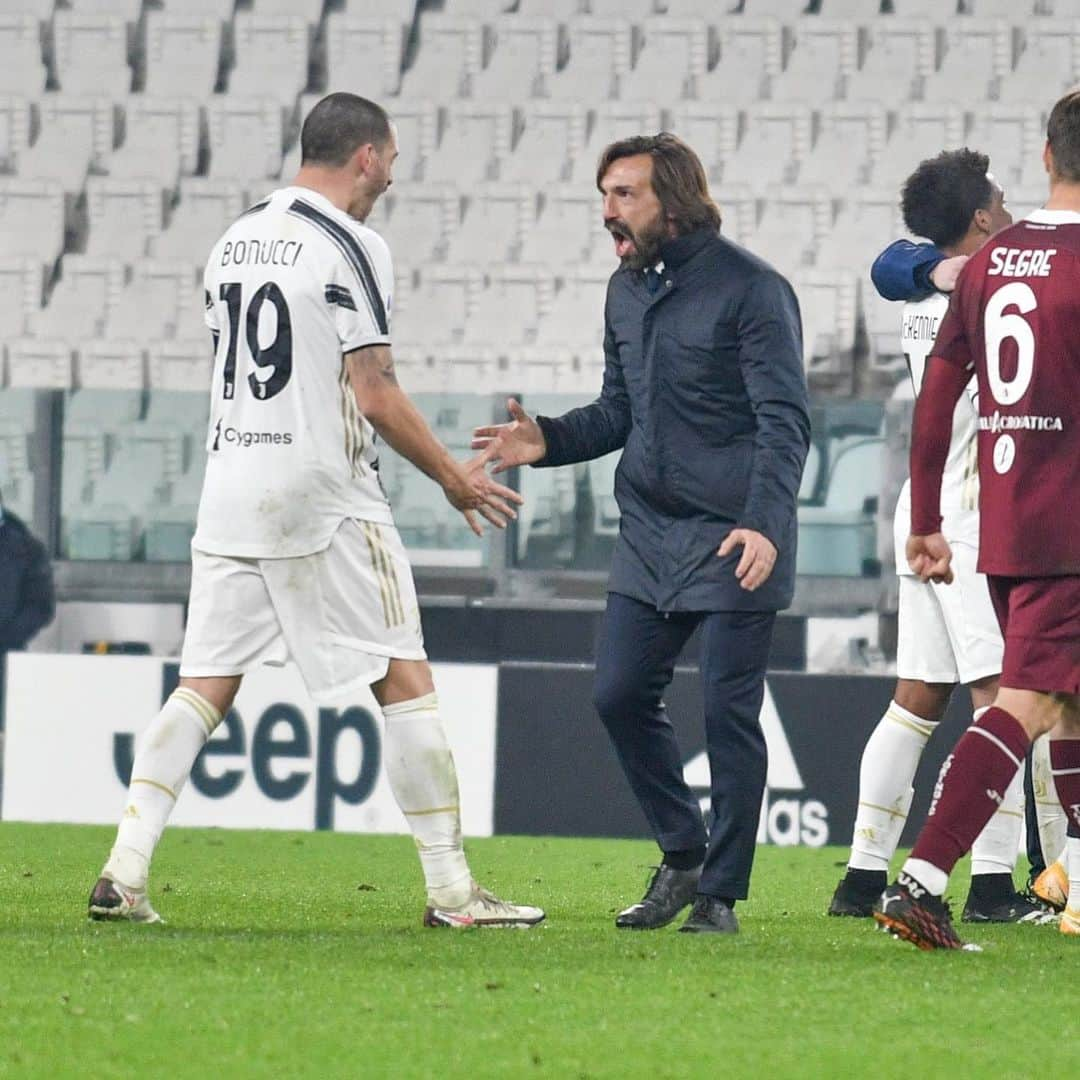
x,y
482,908
115,902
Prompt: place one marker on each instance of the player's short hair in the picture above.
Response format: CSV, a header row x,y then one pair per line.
x,y
338,126
939,199
1063,135
678,178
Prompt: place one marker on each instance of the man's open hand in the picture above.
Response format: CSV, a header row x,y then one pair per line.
x,y
520,442
758,557
472,491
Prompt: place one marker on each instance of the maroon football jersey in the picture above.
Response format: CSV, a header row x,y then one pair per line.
x,y
1015,321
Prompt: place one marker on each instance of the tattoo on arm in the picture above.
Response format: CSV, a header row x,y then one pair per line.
x,y
374,367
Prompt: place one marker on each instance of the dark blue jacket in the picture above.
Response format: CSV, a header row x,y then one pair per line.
x,y
704,387
26,585
902,271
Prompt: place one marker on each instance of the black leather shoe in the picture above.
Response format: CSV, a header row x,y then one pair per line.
x,y
710,916
668,893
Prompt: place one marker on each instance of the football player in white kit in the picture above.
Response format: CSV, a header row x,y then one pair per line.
x,y
946,635
295,554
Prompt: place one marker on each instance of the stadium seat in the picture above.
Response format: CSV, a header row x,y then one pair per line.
x,y
181,365
475,139
417,124
711,129
576,312
14,131
738,205
1049,55
20,293
149,309
673,57
521,60
109,365
776,139
509,309
751,53
792,224
308,10
22,70
183,54
824,54
450,53
850,137
439,306
496,219
161,141
403,11
91,54
88,289
478,9
35,361
865,224
246,139
599,55
213,9
206,209
921,132
538,369
829,305
77,133
567,229
551,138
615,120
380,41
925,9
124,215
898,54
552,9
860,10
128,10
419,226
882,319
1011,135
271,58
788,10
978,53
839,537
31,219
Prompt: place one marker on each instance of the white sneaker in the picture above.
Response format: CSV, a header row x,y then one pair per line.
x,y
112,901
482,909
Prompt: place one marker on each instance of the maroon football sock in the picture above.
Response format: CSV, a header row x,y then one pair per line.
x,y
970,787
1065,768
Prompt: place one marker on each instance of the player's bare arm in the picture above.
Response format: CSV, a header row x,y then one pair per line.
x,y
397,420
519,442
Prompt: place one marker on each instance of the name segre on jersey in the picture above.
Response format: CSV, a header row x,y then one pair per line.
x,y
960,481
291,286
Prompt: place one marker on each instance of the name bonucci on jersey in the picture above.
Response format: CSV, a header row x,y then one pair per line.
x,y
960,480
291,286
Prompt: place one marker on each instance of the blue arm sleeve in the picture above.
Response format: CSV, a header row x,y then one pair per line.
x,y
902,270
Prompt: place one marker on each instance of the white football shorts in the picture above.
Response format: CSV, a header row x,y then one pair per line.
x,y
948,633
341,614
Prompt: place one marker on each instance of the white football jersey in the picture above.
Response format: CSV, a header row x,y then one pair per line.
x,y
292,285
960,480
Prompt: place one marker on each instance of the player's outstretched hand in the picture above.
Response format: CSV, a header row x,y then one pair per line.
x,y
520,442
758,556
473,492
930,557
943,276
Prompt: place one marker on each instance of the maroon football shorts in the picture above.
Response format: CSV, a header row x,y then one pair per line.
x,y
1040,621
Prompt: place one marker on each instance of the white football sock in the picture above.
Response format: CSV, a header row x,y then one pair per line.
x,y
996,848
1072,849
422,776
885,775
1049,813
929,876
163,759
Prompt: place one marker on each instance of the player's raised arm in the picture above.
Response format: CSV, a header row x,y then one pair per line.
x,y
400,423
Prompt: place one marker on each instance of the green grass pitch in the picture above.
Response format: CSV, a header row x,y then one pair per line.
x,y
288,955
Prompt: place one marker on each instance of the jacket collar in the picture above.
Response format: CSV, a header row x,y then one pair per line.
x,y
681,249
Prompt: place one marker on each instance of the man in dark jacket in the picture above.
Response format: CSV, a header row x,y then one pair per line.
x,y
26,587
705,393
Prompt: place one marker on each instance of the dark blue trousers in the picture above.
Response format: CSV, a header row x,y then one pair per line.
x,y
634,666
